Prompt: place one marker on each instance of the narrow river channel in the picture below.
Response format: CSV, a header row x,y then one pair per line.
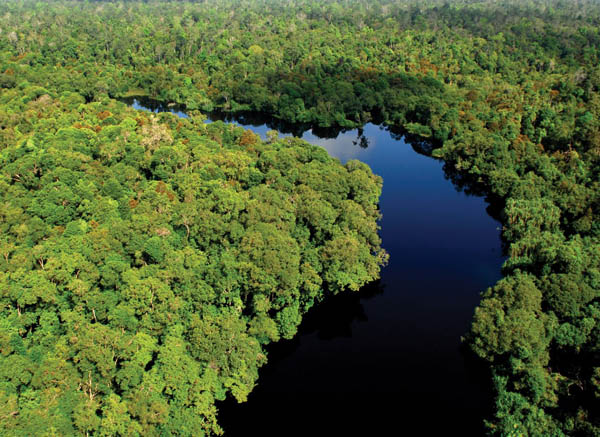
x,y
386,360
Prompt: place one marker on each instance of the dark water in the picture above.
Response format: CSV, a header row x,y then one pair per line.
x,y
386,360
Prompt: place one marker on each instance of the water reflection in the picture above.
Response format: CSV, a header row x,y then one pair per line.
x,y
361,140
370,362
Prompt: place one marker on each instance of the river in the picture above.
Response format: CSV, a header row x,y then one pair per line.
x,y
385,360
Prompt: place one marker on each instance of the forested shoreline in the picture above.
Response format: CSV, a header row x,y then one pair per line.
x,y
509,91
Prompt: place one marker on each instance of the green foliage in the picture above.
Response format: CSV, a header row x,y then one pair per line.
x,y
147,260
119,228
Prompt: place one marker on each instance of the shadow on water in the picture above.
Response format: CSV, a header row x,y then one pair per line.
x,y
248,118
333,318
386,360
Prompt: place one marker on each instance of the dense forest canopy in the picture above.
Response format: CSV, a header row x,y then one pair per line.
x,y
147,260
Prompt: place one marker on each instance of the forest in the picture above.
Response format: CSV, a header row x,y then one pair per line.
x,y
148,260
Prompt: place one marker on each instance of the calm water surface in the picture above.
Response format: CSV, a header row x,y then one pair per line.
x,y
386,360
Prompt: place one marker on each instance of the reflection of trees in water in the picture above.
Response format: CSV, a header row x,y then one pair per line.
x,y
153,105
465,183
423,146
361,139
462,182
250,118
259,119
334,316
330,319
